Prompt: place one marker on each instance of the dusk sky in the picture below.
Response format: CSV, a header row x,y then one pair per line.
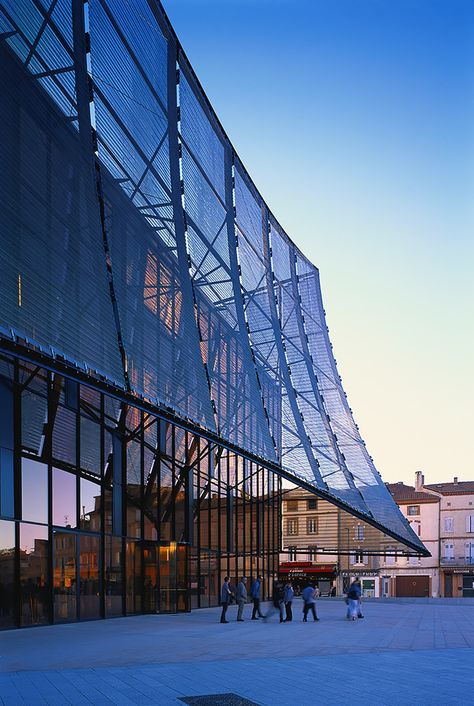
x,y
355,118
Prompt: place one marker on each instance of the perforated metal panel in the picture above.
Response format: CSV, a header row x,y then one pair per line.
x,y
50,235
134,245
128,64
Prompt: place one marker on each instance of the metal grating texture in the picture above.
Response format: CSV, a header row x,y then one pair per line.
x,y
129,73
217,700
135,246
322,445
209,229
356,459
50,235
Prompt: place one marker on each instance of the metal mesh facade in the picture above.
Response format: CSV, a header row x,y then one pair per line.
x,y
135,247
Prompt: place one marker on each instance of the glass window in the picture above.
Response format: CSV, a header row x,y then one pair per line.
x,y
470,523
359,533
89,563
133,578
34,585
292,527
113,576
90,445
89,506
292,553
312,504
312,525
64,576
64,498
7,572
34,491
390,558
64,436
449,524
413,510
449,551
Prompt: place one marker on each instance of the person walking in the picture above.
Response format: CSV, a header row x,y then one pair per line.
x,y
241,596
226,595
287,599
255,593
277,601
309,597
353,597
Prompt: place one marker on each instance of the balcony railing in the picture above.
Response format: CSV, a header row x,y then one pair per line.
x,y
457,561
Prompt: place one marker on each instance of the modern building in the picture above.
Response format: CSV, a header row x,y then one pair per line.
x,y
165,362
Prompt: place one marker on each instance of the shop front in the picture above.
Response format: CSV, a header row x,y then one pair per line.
x,y
369,582
459,583
300,573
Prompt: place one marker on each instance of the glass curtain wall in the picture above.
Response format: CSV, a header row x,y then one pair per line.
x,y
108,510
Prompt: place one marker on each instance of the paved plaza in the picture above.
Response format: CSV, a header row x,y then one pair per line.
x,y
401,653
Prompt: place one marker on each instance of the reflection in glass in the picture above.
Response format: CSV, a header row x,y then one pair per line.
x,y
133,578
181,580
34,586
34,491
168,578
90,445
113,576
89,563
64,498
89,518
64,576
150,570
7,570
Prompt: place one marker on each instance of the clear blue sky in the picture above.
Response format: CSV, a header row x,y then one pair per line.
x,y
355,119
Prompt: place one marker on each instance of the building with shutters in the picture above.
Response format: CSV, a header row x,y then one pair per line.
x,y
456,536
414,576
442,514
165,361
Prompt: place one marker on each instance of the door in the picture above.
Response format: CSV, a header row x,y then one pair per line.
x,y
173,578
150,571
168,578
64,577
89,576
413,586
448,585
468,586
76,576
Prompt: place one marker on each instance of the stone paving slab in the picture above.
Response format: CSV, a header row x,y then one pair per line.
x,y
198,636
435,677
399,655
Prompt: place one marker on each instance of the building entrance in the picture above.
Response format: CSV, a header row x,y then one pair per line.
x,y
76,576
413,586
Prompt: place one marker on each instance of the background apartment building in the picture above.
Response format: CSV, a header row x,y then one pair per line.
x,y
441,514
414,576
456,535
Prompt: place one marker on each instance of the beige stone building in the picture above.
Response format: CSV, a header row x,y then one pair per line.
x,y
413,576
321,543
456,536
324,544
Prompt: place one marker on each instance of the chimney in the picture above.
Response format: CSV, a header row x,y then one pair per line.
x,y
455,480
419,480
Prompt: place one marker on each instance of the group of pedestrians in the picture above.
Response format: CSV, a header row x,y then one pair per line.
x,y
282,600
